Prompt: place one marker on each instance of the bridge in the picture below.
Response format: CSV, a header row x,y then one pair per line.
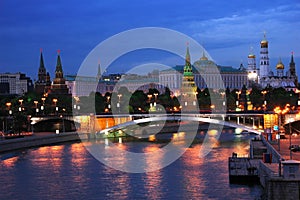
x,y
208,118
107,122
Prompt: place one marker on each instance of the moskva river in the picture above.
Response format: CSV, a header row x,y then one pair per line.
x,y
69,171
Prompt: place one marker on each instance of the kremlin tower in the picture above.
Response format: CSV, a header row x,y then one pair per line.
x,y
292,71
43,83
188,87
59,83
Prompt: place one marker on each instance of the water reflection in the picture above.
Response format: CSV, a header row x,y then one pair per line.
x,y
9,162
48,156
69,172
117,183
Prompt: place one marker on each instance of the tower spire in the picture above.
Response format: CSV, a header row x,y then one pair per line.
x,y
292,57
58,63
41,59
58,85
293,67
99,71
40,84
187,55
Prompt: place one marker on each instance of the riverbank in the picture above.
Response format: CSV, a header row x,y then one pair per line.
x,y
36,140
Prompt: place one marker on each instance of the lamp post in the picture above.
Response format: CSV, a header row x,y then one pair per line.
x,y
43,105
36,106
150,97
238,98
108,104
119,102
264,92
290,130
21,102
8,104
55,103
63,121
279,111
155,94
223,99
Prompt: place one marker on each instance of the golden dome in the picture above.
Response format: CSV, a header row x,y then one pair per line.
x,y
279,65
251,55
203,57
264,42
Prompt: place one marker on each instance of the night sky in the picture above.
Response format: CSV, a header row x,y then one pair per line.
x,y
226,29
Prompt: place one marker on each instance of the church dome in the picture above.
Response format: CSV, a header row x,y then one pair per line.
x,y
251,55
264,43
203,57
279,65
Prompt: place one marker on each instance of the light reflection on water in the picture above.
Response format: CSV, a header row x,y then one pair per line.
x,y
70,172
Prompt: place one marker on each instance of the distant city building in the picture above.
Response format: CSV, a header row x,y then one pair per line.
x,y
15,83
43,83
135,82
84,85
266,78
58,85
81,85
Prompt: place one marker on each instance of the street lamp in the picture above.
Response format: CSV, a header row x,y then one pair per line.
x,y
279,112
8,104
21,102
223,99
43,106
264,92
119,102
238,98
36,106
150,97
155,94
55,102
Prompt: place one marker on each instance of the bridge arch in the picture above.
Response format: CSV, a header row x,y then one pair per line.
x,y
194,118
53,124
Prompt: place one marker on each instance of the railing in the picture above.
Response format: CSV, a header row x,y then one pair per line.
x,y
271,150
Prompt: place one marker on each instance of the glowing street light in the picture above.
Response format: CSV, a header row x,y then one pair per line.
x,y
55,102
36,106
8,104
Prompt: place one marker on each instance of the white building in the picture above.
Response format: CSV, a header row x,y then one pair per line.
x,y
205,75
15,83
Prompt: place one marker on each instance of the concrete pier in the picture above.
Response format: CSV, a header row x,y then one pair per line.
x,y
280,178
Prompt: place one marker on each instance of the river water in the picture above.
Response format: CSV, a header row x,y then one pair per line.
x,y
69,171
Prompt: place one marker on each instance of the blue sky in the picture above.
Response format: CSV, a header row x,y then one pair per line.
x,y
226,29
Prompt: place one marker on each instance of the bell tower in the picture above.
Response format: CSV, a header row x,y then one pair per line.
x,y
264,58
